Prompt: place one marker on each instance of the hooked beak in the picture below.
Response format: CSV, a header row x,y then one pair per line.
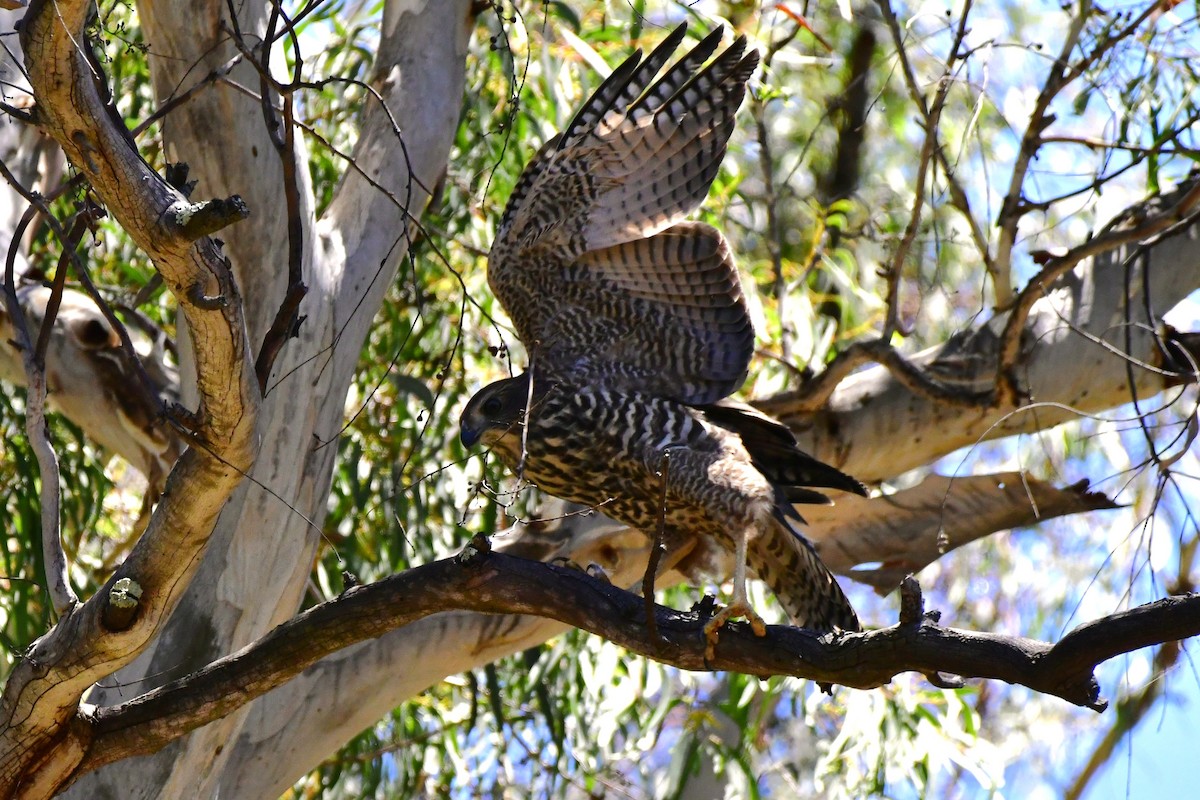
x,y
468,436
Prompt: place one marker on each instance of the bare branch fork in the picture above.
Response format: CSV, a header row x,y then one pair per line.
x,y
487,581
282,135
39,745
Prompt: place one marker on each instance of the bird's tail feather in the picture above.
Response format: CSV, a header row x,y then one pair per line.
x,y
787,562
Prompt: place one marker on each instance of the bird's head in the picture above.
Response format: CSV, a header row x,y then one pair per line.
x,y
495,414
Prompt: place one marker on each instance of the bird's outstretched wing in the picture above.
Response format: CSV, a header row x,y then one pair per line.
x,y
602,279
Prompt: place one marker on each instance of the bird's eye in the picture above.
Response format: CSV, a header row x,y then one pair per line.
x,y
492,406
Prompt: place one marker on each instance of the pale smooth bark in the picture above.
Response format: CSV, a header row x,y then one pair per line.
x,y
262,550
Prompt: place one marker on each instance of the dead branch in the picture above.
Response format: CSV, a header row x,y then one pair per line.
x,y
281,129
492,582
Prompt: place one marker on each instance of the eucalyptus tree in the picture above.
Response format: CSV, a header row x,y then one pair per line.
x,y
971,240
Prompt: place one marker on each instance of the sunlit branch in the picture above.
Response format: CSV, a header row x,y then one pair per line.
x,y
1010,344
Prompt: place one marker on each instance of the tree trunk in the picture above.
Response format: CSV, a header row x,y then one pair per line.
x,y
262,550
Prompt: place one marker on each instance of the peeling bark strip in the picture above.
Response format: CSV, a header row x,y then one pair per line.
x,y
492,582
42,736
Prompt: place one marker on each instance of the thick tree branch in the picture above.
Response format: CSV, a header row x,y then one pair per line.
x,y
1069,364
1004,393
39,744
1145,226
497,583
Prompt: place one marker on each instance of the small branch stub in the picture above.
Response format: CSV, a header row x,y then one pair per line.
x,y
197,220
176,174
477,548
123,600
912,604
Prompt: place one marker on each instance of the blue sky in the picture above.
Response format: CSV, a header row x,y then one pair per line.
x,y
1161,758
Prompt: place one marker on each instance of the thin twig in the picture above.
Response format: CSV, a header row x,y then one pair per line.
x,y
56,290
1131,709
766,163
656,544
1149,149
177,100
929,149
1002,283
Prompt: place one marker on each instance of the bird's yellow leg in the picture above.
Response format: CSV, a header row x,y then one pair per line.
x,y
739,604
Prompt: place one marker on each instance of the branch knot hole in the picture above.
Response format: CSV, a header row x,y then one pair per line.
x,y
123,600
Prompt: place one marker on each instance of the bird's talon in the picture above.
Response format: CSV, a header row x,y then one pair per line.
x,y
566,563
713,626
596,571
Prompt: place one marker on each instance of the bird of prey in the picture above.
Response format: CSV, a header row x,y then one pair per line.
x,y
638,331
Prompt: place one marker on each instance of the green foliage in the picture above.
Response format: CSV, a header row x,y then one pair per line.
x,y
22,601
24,609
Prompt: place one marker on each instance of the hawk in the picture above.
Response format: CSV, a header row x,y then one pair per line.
x,y
638,331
